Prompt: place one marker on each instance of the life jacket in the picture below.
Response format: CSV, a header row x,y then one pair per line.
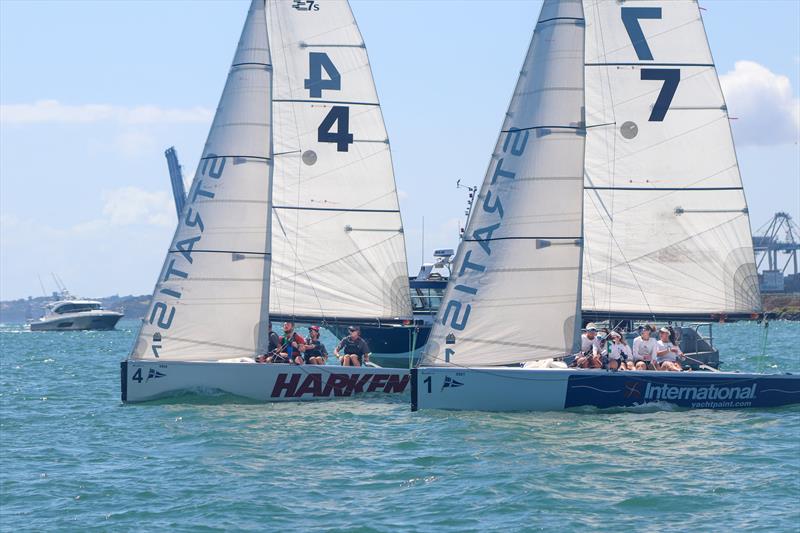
x,y
286,342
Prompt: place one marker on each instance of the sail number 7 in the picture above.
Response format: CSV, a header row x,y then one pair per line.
x,y
319,63
670,76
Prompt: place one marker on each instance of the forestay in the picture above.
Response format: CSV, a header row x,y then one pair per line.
x,y
339,249
515,288
666,223
209,300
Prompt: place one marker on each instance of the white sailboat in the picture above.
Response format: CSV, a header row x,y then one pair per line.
x,y
626,97
293,197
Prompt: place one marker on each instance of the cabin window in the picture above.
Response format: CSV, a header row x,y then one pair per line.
x,y
76,308
426,300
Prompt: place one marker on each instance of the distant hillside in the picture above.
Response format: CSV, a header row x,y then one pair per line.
x,y
782,305
32,308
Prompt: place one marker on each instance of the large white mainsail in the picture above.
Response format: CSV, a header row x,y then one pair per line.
x,y
666,224
514,293
210,300
338,243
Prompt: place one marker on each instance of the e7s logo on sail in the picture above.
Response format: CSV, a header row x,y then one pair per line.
x,y
305,5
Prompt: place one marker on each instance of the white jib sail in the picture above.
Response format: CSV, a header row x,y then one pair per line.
x,y
210,300
666,223
338,243
514,293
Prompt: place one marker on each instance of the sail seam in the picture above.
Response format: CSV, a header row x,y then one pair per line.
x,y
299,208
251,63
649,64
522,238
235,156
561,18
663,188
217,252
305,100
576,128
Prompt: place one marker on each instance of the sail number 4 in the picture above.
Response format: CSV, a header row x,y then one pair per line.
x,y
339,116
670,76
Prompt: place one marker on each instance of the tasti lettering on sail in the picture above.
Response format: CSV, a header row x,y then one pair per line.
x,y
179,266
336,385
456,313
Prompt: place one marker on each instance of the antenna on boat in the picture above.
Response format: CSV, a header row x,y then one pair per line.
x,y
470,200
59,285
422,257
44,292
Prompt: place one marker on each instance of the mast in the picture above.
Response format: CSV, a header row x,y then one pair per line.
x,y
514,292
211,299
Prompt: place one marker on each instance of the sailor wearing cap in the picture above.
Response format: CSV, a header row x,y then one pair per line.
x,y
667,353
591,355
619,353
316,353
352,350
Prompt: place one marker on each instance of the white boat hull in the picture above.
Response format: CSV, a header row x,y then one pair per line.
x,y
518,389
148,380
92,320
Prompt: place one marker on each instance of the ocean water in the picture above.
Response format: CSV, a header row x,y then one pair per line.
x,y
72,457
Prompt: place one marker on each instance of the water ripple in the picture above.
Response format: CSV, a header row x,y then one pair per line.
x,y
72,457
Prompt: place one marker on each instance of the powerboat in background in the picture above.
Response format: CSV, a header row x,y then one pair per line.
x,y
69,313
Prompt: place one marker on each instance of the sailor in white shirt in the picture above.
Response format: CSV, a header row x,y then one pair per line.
x,y
618,353
591,349
644,350
667,353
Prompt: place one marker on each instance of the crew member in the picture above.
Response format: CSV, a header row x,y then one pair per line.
x,y
644,350
667,353
272,345
315,352
619,353
591,349
291,346
352,350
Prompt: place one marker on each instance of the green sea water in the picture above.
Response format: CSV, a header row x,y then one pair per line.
x,y
72,457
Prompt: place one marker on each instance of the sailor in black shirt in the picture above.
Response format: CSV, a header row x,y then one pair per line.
x,y
274,341
316,353
352,350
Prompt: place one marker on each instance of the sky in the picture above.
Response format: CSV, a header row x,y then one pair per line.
x,y
92,93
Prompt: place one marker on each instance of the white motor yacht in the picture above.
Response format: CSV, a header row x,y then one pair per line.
x,y
69,313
